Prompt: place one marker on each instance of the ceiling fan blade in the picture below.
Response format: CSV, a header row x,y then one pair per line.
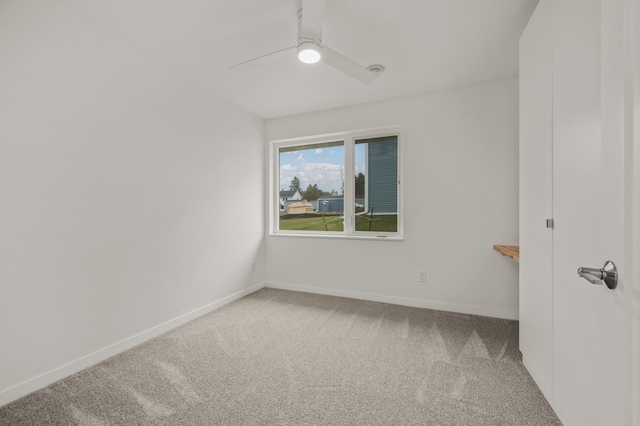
x,y
347,66
262,57
312,17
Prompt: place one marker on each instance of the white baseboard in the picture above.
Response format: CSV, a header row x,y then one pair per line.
x,y
403,301
45,379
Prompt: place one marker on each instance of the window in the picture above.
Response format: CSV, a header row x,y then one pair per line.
x,y
348,186
376,184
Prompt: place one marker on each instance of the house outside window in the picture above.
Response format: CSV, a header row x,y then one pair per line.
x,y
288,195
347,186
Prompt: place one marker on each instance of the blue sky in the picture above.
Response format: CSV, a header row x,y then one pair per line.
x,y
321,166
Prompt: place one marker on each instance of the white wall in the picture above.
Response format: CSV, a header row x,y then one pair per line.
x,y
129,196
460,165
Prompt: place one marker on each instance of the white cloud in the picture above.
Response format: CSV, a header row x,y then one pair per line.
x,y
362,169
328,176
322,167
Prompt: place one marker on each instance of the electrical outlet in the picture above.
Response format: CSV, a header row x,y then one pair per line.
x,y
422,277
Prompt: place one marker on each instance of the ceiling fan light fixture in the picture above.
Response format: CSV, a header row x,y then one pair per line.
x,y
309,52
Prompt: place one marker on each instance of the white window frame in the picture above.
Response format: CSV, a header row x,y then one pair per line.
x,y
349,139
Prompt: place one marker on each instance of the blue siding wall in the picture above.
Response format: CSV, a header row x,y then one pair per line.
x,y
382,171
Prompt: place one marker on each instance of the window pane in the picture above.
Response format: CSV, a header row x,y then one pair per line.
x,y
376,184
311,181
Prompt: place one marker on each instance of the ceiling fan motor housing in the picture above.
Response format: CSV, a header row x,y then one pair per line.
x,y
309,47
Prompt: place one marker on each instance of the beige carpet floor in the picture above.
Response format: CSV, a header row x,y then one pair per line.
x,y
286,358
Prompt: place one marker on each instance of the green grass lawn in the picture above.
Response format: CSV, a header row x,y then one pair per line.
x,y
381,223
334,223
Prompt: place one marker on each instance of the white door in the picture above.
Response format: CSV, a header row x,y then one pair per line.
x,y
592,182
536,191
617,217
632,55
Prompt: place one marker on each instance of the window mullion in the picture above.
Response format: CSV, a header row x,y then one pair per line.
x,y
349,185
274,163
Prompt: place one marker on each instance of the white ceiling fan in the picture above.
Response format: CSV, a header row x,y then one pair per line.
x,y
311,50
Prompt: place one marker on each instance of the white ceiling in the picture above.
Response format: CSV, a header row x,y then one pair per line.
x,y
425,45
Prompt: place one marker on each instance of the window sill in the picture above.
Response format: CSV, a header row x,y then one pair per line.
x,y
338,236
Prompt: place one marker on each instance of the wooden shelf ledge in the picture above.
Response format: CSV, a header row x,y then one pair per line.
x,y
512,252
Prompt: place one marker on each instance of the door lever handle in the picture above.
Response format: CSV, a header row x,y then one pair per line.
x,y
593,275
608,274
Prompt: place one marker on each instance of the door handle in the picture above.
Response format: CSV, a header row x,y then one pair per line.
x,y
608,273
